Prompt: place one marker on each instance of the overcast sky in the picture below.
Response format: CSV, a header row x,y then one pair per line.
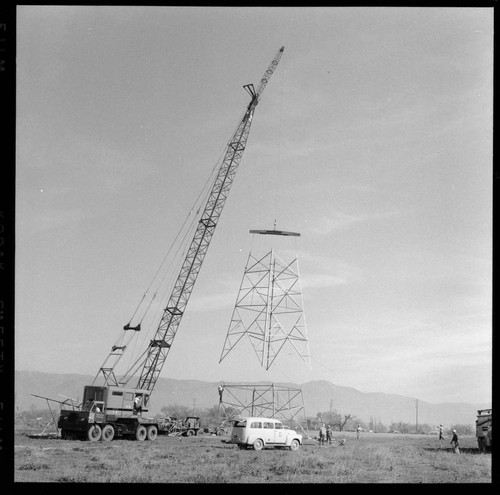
x,y
373,139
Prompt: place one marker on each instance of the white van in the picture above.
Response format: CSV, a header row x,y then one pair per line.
x,y
258,432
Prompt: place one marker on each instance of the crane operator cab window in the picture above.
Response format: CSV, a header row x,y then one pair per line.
x,y
93,406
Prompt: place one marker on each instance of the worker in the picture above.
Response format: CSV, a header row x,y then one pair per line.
x,y
358,429
221,390
454,442
322,434
138,404
440,430
329,435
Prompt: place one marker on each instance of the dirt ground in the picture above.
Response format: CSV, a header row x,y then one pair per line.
x,y
373,458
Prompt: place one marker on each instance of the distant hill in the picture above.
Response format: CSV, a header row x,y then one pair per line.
x,y
318,396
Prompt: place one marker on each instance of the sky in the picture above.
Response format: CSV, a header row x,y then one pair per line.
x,y
373,140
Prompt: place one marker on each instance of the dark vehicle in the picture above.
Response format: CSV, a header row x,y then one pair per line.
x,y
109,412
484,429
178,427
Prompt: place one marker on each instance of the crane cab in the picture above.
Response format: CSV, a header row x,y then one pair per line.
x,y
118,402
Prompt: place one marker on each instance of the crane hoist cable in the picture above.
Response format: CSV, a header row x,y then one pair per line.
x,y
195,208
174,253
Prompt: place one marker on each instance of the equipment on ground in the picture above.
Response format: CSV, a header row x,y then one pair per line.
x,y
174,427
484,429
115,408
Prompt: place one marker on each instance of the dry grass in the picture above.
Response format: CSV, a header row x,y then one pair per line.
x,y
374,458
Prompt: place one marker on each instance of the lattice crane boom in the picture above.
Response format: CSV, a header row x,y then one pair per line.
x,y
161,344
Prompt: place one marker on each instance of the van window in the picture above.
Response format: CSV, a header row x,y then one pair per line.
x,y
278,425
268,425
256,424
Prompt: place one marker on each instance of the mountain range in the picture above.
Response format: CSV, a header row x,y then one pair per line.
x,y
318,396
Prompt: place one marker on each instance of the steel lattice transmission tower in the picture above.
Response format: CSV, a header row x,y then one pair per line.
x,y
269,308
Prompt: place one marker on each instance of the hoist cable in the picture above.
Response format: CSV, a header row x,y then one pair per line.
x,y
196,206
179,252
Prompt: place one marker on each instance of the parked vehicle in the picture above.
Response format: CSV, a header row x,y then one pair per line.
x,y
484,431
259,432
109,412
179,427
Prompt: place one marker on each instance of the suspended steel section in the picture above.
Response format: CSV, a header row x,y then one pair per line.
x,y
269,307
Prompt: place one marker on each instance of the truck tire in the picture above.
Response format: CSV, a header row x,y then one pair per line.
x,y
189,433
141,433
295,444
108,433
152,433
220,432
258,444
94,433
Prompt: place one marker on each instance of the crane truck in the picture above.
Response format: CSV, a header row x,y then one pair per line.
x,y
115,407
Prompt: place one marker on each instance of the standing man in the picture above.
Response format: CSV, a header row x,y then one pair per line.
x,y
454,442
440,428
329,434
322,434
138,404
358,429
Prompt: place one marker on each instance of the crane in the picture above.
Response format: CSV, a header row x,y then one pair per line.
x,y
114,399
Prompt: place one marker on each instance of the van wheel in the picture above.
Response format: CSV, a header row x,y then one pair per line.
x,y
258,444
152,433
94,433
108,433
294,445
141,433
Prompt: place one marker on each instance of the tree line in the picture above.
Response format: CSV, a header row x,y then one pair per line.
x,y
212,417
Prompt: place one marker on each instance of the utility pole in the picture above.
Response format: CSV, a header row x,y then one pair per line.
x,y
416,412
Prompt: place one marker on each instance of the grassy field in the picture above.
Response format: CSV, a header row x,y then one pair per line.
x,y
374,458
